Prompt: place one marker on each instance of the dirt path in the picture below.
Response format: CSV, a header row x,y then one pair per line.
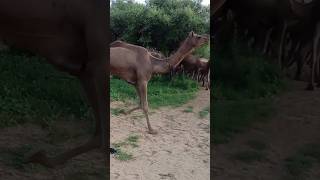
x,y
17,143
180,150
296,123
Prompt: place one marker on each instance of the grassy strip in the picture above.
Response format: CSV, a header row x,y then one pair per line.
x,y
33,91
231,117
161,91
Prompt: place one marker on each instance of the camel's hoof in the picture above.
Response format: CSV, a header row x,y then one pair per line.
x,y
152,131
40,157
310,87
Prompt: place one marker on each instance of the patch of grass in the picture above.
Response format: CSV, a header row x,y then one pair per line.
x,y
231,117
300,164
33,91
15,157
204,112
161,91
257,145
131,141
249,156
117,111
245,84
122,155
188,109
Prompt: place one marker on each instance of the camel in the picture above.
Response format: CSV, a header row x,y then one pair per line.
x,y
136,65
72,36
203,71
198,68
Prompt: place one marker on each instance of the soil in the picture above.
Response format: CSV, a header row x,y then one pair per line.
x,y
295,124
180,150
17,143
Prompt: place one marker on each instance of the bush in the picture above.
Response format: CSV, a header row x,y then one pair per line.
x,y
160,24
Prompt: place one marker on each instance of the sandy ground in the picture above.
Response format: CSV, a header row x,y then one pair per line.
x,y
14,143
180,150
296,123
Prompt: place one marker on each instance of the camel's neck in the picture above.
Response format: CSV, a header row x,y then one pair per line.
x,y
160,66
184,50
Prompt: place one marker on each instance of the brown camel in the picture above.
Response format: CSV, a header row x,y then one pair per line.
x,y
73,36
203,71
196,67
136,65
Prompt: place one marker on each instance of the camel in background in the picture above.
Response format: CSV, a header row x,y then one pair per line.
x,y
72,36
136,65
197,68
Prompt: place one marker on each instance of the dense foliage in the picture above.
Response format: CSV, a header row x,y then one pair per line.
x,y
160,24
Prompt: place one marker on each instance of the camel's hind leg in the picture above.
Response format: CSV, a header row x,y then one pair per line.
x,y
142,88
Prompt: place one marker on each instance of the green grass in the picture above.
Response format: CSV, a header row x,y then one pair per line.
x,y
245,84
15,157
161,91
204,112
231,117
131,141
122,155
117,111
188,109
33,91
299,164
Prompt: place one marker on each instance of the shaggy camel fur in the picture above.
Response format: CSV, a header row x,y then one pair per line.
x,y
136,65
73,36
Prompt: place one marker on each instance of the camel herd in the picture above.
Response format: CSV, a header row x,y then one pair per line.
x,y
288,31
136,65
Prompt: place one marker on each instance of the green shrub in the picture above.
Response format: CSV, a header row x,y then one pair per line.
x,y
160,24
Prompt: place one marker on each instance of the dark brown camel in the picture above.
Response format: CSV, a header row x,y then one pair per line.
x,y
73,36
197,68
136,65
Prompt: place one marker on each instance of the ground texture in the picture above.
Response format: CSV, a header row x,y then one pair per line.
x,y
180,150
260,153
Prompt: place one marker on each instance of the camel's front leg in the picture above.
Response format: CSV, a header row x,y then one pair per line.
x,y
142,88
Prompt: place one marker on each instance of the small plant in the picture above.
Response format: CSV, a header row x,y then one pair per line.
x,y
189,109
204,112
122,155
131,141
117,111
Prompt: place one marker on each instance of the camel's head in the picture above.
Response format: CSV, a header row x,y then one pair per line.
x,y
196,40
